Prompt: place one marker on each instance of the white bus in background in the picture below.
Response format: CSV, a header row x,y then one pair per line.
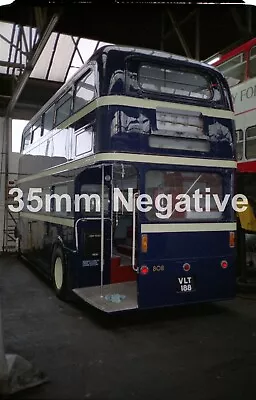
x,y
239,68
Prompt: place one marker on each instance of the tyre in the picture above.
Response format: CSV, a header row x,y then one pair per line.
x,y
59,273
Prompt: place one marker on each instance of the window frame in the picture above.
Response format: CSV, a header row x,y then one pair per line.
x,y
170,69
185,220
57,107
43,118
240,141
243,60
249,61
34,128
27,132
132,87
79,132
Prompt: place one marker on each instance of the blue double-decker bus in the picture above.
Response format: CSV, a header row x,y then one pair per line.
x,y
117,176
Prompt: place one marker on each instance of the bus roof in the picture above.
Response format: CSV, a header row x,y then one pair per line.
x,y
120,48
145,51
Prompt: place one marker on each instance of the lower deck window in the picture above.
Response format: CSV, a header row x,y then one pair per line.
x,y
250,143
174,195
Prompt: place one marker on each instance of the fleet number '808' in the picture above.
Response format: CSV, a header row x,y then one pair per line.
x,y
158,268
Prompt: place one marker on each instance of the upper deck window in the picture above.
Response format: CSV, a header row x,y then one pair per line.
x,y
63,107
179,82
252,62
48,120
234,69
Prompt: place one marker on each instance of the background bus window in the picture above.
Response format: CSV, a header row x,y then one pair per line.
x,y
179,182
239,144
252,62
234,69
48,120
63,107
85,91
171,81
250,142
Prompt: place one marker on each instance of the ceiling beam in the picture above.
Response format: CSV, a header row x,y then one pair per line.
x,y
31,63
179,24
180,35
197,35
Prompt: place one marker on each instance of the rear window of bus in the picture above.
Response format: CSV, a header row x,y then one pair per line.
x,y
174,81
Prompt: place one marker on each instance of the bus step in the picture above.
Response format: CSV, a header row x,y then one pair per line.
x,y
115,297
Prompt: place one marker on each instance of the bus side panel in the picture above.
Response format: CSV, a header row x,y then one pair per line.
x,y
38,239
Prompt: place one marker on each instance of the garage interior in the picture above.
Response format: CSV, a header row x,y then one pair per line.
x,y
205,351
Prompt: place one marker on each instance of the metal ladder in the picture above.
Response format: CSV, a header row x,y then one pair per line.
x,y
9,218
10,223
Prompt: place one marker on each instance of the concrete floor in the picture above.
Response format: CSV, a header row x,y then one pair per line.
x,y
200,352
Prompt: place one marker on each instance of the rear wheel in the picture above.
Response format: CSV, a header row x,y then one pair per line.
x,y
59,277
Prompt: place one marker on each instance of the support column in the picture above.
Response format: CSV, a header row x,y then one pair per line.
x,y
16,373
197,39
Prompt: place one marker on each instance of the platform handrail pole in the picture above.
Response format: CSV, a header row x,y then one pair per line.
x,y
134,233
102,232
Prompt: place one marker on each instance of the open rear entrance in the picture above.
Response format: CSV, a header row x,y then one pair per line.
x,y
124,241
114,284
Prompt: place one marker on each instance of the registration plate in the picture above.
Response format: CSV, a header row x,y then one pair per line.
x,y
186,284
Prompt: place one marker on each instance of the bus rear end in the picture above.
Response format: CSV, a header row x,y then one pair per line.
x,y
187,248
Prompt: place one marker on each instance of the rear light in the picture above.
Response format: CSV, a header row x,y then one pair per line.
x,y
231,239
144,243
186,267
224,264
144,270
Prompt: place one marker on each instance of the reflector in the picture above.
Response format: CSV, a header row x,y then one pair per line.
x,y
224,264
144,270
144,243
